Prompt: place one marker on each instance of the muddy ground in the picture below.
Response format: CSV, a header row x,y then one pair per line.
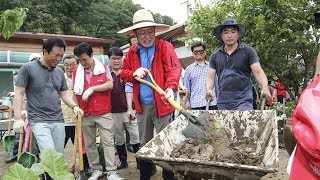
x,y
132,173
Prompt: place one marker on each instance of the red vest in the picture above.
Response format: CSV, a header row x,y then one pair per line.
x,y
99,102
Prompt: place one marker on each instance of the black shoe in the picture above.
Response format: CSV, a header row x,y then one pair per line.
x,y
130,148
11,159
122,164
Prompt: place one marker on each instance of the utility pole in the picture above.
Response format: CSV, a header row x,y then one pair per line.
x,y
188,7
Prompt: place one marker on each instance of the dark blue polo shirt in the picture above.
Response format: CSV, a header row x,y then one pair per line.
x,y
234,73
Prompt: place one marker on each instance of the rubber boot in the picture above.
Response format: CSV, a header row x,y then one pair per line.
x,y
136,148
122,153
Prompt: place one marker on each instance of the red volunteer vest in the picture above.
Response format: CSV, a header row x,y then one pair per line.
x,y
98,103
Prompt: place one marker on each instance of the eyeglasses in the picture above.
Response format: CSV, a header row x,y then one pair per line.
x,y
70,65
113,58
196,52
143,33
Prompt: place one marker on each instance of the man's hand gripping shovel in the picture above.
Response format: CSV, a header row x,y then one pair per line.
x,y
197,125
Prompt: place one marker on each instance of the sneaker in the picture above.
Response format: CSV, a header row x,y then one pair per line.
x,y
114,176
95,175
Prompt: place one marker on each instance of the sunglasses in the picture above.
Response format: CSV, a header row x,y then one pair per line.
x,y
196,52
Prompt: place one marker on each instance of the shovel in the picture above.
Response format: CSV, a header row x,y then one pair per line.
x,y
78,145
198,126
8,141
27,159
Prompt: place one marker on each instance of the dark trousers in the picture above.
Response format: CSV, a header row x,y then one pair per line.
x,y
70,133
204,108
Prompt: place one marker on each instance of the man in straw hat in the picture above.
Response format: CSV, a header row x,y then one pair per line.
x,y
157,56
233,63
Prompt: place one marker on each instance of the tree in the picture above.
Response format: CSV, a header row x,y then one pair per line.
x,y
282,32
11,21
163,19
96,18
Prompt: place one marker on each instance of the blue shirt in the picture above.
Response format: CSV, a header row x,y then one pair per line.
x,y
195,80
146,58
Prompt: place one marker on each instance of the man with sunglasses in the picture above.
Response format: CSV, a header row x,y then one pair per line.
x,y
194,79
157,56
234,62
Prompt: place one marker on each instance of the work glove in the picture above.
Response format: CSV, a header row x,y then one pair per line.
x,y
140,72
169,93
18,125
131,115
76,109
87,93
209,96
265,93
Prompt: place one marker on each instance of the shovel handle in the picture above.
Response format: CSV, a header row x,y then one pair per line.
x,y
21,137
79,139
157,88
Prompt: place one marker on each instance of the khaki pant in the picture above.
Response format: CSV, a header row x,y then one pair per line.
x,y
104,124
120,121
148,120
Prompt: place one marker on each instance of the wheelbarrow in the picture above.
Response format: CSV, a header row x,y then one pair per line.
x,y
258,125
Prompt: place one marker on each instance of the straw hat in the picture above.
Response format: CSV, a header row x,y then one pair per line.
x,y
143,18
228,22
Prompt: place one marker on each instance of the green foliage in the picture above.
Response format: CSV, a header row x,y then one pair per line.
x,y
18,172
52,162
158,18
27,159
95,18
287,110
55,165
282,32
11,20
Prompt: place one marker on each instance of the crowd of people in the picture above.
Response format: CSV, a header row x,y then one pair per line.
x,y
111,100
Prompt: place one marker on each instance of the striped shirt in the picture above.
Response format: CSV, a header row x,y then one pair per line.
x,y
195,80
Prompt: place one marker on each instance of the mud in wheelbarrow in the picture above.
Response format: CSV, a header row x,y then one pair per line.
x,y
259,126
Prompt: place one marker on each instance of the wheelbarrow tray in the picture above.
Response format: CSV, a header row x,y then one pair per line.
x,y
261,126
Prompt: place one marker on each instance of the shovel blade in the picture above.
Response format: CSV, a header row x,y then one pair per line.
x,y
8,143
199,130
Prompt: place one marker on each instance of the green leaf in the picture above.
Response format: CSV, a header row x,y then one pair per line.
x,y
55,165
27,159
11,20
37,168
18,172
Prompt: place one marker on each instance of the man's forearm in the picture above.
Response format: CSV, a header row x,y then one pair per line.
x,y
103,87
17,104
67,99
129,97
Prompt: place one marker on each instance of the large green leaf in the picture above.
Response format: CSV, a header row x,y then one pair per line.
x,y
27,159
11,20
55,165
37,168
18,172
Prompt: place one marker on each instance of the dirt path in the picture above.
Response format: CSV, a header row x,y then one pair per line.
x,y
132,173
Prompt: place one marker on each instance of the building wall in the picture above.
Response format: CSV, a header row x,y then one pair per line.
x,y
14,53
